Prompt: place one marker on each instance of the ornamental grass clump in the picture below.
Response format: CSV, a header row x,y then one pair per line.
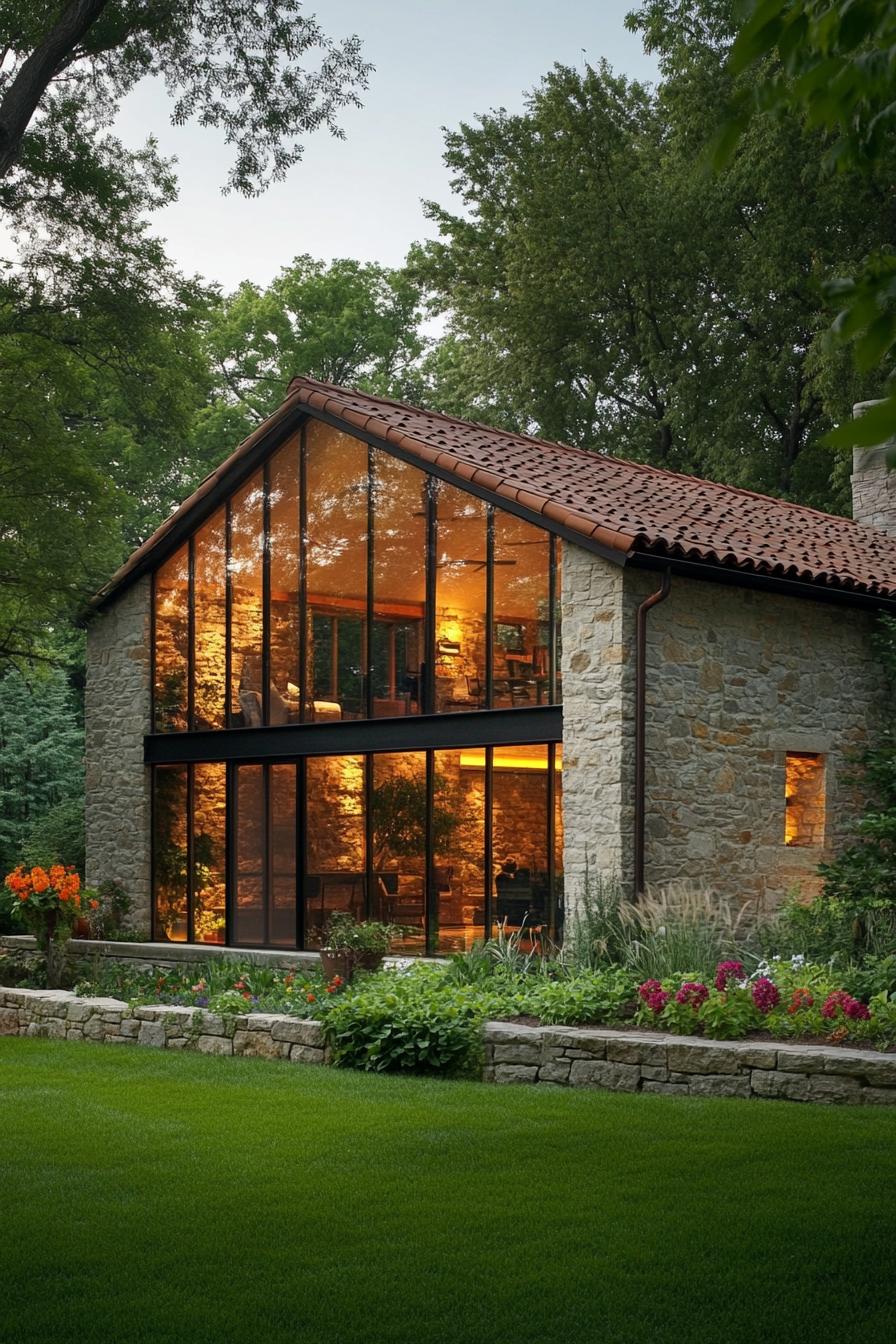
x,y
46,901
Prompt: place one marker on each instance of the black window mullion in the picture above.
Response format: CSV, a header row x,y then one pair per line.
x,y
429,614
430,889
301,833
367,636
267,883
228,615
191,930
490,607
303,581
191,633
552,620
266,597
230,834
489,858
552,838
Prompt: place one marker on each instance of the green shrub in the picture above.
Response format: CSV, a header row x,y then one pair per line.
x,y
413,1023
57,836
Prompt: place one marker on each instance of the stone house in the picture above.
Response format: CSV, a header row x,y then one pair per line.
x,y
391,662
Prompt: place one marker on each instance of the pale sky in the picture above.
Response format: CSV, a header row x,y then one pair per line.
x,y
438,62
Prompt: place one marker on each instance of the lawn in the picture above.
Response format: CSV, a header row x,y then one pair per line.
x,y
163,1197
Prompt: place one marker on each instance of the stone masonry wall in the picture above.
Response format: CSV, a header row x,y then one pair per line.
x,y
621,1061
735,680
874,489
59,1015
117,715
597,722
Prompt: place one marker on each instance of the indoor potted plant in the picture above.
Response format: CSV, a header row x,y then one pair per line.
x,y
350,944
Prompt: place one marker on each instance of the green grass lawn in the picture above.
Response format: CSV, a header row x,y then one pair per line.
x,y
163,1197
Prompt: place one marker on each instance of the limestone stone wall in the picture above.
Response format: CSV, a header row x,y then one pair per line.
x,y
598,724
117,715
874,489
737,679
621,1061
60,1015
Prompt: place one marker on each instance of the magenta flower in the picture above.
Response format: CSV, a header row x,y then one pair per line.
x,y
728,970
765,994
649,987
845,1003
657,1001
692,992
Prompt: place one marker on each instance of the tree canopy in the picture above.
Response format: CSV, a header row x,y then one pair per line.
x,y
621,297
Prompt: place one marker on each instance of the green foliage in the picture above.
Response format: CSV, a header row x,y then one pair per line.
x,y
348,322
860,885
41,769
833,66
600,289
344,933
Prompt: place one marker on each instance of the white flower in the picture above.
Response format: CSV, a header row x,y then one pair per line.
x,y
662,930
797,961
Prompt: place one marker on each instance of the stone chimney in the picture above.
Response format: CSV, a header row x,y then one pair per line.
x,y
873,483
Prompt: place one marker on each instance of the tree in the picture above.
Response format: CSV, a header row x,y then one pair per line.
x,y
833,65
41,756
622,299
101,370
347,322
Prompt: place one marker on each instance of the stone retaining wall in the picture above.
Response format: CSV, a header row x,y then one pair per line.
x,y
63,1016
623,1061
616,1061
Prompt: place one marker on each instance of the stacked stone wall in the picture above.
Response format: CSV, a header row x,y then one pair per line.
x,y
619,1061
117,715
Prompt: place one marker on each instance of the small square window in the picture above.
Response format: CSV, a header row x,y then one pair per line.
x,y
804,814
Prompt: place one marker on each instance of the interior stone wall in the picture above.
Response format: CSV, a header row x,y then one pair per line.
x,y
117,715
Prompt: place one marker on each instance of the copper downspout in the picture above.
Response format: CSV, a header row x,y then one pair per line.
x,y
653,600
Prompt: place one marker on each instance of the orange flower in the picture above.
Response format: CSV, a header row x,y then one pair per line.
x,y
39,879
94,905
57,874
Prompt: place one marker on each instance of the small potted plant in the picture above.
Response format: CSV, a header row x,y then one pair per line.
x,y
47,901
350,944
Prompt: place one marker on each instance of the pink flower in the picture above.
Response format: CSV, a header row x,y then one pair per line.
x,y
728,970
766,995
692,992
845,1003
649,987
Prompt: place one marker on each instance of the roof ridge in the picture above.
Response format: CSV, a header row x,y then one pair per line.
x,y
646,467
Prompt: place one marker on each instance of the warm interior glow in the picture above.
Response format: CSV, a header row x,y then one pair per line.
x,y
474,759
804,816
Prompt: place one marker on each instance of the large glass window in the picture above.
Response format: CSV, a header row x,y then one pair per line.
x,y
210,624
340,579
170,859
284,544
246,606
399,586
283,882
398,837
251,847
335,874
457,899
171,620
522,893
209,815
337,508
522,627
460,840
461,600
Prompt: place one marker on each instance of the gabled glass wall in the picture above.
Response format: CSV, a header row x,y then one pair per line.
x,y
341,582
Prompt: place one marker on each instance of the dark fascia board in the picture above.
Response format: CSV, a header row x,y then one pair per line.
x,y
476,728
767,583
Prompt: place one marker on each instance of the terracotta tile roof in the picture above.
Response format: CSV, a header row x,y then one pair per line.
x,y
623,507
628,506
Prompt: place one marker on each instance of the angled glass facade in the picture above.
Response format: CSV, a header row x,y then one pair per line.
x,y
340,584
